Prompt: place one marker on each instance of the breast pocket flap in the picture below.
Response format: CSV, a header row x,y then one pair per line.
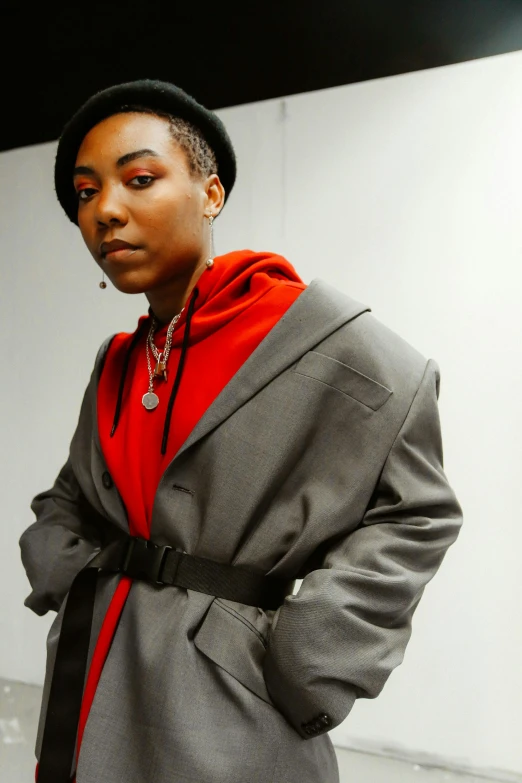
x,y
344,378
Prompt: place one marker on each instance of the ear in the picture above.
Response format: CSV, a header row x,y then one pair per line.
x,y
215,195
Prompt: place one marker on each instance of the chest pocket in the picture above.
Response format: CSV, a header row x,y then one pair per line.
x,y
344,378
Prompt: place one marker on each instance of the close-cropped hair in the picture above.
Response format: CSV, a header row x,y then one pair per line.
x,y
200,157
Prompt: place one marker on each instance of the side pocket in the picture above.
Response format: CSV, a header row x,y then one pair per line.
x,y
235,645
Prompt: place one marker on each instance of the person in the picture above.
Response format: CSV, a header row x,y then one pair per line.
x,y
252,431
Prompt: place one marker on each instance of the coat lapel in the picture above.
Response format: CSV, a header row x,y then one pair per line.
x,y
315,314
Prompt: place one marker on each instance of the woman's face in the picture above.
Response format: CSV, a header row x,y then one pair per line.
x,y
134,186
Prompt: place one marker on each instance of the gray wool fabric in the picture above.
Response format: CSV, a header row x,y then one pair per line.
x,y
320,460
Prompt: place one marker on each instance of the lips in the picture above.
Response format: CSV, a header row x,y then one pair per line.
x,y
115,245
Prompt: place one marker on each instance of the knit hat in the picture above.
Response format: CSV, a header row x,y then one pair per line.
x,y
153,95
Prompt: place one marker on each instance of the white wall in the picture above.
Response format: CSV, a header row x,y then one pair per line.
x,y
404,193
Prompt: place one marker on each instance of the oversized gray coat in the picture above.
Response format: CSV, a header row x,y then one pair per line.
x,y
321,460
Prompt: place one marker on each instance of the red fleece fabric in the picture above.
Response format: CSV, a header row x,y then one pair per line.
x,y
239,300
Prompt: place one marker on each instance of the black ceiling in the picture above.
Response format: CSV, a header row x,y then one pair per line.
x,y
226,54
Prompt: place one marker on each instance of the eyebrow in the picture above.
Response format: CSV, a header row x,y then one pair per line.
x,y
144,153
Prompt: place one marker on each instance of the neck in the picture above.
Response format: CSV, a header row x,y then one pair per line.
x,y
170,299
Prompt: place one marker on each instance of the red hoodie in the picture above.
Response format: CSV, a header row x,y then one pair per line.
x,y
238,301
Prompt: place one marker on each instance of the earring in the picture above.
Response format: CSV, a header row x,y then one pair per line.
x,y
210,261
103,284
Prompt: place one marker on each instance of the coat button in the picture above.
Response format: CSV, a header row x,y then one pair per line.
x,y
107,480
317,725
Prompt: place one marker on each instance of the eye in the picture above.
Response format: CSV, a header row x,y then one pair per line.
x,y
85,193
141,180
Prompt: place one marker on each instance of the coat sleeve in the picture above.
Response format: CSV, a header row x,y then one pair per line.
x,y
67,533
340,637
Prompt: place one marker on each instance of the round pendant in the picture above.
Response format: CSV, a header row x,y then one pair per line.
x,y
150,400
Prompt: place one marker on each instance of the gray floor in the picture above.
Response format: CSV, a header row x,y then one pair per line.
x,y
19,706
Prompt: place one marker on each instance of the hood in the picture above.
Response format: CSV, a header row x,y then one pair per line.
x,y
234,283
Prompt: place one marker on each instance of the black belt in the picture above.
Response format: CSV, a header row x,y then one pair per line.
x,y
140,559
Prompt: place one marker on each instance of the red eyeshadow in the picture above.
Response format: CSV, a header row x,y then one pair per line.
x,y
138,173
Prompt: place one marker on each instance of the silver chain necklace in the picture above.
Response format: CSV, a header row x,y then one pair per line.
x,y
150,400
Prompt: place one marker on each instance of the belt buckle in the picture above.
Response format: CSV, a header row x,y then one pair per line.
x,y
143,559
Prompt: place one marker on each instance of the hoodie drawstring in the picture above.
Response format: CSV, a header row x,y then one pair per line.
x,y
179,372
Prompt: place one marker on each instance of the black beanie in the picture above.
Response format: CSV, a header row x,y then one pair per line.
x,y
153,95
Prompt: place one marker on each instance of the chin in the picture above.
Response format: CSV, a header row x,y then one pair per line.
x,y
131,284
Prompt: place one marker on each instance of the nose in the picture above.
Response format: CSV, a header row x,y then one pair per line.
x,y
110,209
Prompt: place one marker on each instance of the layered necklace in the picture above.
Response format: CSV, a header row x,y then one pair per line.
x,y
150,399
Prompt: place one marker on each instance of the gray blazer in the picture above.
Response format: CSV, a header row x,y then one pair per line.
x,y
320,460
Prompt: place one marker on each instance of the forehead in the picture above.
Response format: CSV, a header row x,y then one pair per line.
x,y
126,132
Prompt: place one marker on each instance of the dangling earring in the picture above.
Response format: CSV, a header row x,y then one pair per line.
x,y
103,284
210,261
